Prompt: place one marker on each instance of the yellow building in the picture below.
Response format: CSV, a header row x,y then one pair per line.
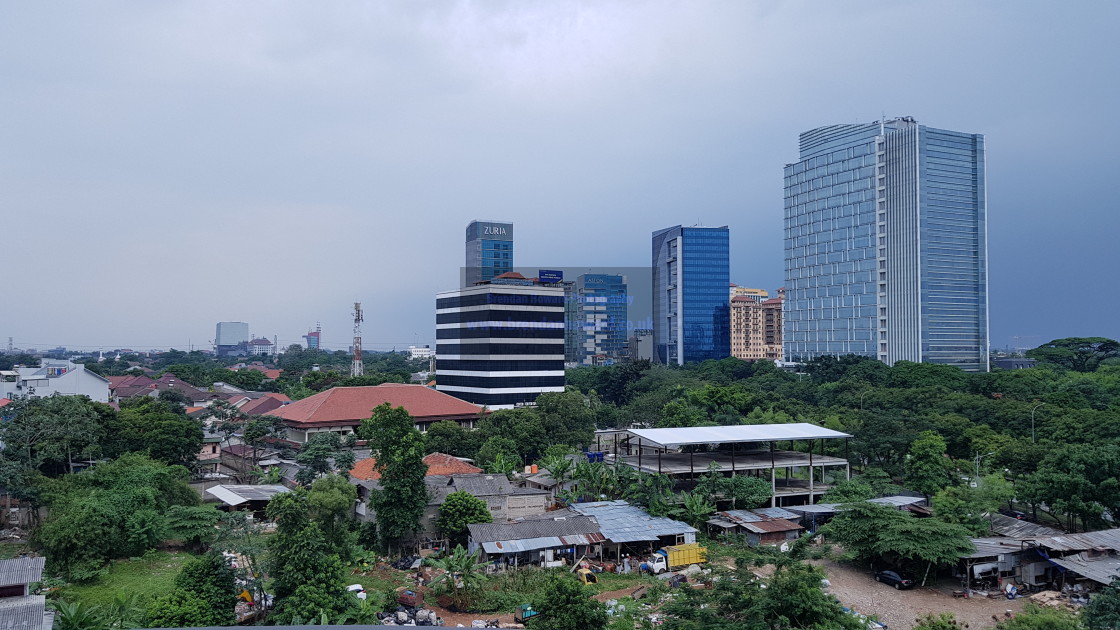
x,y
756,327
758,295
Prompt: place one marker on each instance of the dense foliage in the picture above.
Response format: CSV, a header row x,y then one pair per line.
x,y
398,449
458,510
117,509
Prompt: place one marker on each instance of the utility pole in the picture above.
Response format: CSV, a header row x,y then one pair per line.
x,y
356,368
1034,409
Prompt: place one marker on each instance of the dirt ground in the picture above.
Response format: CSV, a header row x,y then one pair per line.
x,y
856,589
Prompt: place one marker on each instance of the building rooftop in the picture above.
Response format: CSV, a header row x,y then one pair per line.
x,y
621,522
353,404
736,434
438,464
236,495
21,570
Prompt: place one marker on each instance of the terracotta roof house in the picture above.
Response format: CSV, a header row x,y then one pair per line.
x,y
342,409
264,405
437,463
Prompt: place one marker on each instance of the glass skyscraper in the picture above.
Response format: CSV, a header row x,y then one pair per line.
x,y
489,251
691,311
886,245
601,317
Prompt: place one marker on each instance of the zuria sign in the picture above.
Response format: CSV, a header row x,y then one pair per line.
x,y
493,230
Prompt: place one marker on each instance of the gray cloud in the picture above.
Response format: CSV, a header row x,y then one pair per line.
x,y
168,165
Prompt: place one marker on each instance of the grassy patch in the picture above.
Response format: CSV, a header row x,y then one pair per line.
x,y
11,550
150,576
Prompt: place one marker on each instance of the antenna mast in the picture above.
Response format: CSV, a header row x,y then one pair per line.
x,y
356,367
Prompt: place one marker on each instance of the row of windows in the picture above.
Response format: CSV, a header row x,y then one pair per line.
x,y
488,315
494,382
479,299
494,400
501,332
499,348
501,365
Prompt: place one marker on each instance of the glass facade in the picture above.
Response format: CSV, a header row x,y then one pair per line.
x,y
885,245
691,276
489,251
601,317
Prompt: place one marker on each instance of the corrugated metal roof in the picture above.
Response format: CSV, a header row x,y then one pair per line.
x,y
524,544
526,530
776,512
1106,539
816,508
21,570
770,526
24,613
1015,528
736,434
621,522
897,500
1101,570
236,495
988,547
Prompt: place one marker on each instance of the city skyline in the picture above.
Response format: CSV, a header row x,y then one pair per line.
x,y
336,155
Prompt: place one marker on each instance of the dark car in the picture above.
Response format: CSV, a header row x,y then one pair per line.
x,y
897,579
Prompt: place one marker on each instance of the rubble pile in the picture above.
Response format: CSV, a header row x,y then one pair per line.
x,y
403,616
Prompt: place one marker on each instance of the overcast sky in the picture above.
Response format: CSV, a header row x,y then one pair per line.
x,y
168,165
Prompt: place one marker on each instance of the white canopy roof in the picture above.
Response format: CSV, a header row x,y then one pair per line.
x,y
735,433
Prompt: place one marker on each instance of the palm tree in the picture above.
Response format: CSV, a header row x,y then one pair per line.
x,y
463,575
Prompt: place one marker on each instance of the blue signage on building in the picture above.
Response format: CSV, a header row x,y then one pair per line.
x,y
550,275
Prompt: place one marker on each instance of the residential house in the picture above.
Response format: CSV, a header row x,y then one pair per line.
x,y
342,409
767,526
537,542
54,377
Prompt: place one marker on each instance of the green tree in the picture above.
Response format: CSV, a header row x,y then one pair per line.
x,y
323,454
968,506
193,524
398,449
522,426
694,509
460,509
495,447
448,436
49,434
179,609
210,579
306,573
462,577
927,469
157,428
331,503
114,510
567,418
1081,354
1103,610
568,605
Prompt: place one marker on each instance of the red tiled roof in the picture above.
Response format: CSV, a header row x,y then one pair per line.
x,y
437,463
261,406
354,404
773,301
511,275
5,401
129,380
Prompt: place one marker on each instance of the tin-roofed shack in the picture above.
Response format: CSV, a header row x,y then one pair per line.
x,y
768,526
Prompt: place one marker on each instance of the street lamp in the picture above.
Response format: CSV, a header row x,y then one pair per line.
x,y
862,394
1033,409
978,458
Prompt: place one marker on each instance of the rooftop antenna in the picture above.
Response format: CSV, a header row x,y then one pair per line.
x,y
356,368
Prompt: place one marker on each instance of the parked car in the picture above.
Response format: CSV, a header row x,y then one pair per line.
x,y
1016,514
897,579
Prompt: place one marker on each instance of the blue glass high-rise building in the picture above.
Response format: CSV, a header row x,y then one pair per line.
x,y
600,317
886,245
489,251
691,311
